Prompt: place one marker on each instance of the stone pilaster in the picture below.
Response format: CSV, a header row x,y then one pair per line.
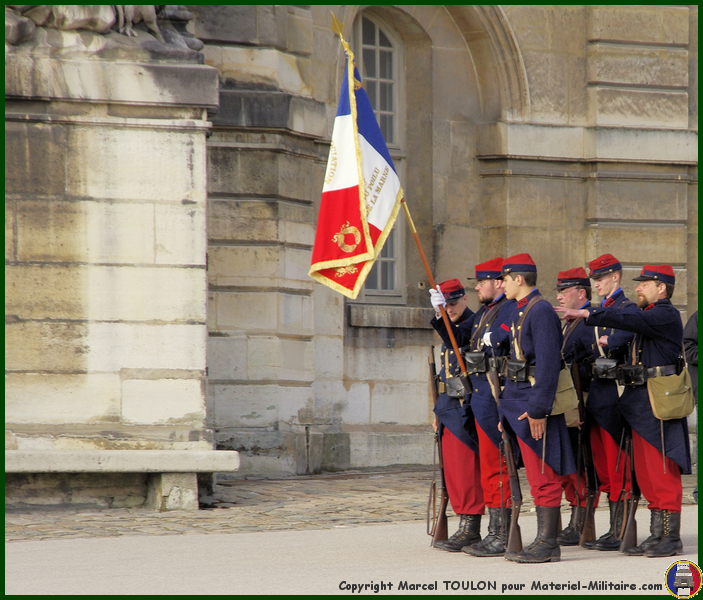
x,y
105,251
266,159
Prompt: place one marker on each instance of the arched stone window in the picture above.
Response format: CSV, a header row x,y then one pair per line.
x,y
379,71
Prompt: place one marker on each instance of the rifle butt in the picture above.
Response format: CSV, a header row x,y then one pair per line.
x,y
431,516
588,531
514,536
441,531
629,536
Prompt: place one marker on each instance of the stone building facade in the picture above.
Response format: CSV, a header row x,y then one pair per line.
x,y
562,131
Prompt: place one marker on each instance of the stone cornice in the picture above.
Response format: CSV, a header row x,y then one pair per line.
x,y
561,142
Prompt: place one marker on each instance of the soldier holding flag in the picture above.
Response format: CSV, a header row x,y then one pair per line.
x,y
455,424
490,321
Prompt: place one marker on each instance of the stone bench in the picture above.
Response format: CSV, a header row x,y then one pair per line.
x,y
173,480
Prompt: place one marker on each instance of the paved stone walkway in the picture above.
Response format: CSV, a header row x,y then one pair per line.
x,y
249,505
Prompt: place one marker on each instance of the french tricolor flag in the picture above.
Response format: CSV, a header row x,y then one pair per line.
x,y
361,195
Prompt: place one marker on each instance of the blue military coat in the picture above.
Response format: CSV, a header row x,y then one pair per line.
x,y
458,418
493,318
658,342
541,347
603,395
577,345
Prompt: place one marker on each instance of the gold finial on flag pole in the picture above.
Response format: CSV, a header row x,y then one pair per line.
x,y
337,26
338,29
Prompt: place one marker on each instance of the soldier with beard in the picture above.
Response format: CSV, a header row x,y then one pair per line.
x,y
661,448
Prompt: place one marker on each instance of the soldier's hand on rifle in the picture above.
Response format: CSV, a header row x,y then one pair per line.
x,y
603,340
435,424
437,300
536,425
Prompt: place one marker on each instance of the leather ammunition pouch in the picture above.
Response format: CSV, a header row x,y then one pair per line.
x,y
454,387
605,368
476,362
517,370
632,375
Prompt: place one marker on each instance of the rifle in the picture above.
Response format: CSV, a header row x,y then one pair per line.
x,y
629,536
514,543
588,529
437,520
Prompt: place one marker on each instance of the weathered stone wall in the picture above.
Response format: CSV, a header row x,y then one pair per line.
x,y
563,131
264,167
105,244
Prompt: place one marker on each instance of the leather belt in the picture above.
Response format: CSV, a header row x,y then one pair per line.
x,y
662,371
498,364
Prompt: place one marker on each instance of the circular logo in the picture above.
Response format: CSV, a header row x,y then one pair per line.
x,y
683,579
342,240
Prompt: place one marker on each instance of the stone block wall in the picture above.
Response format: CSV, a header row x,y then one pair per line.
x,y
105,247
608,160
79,490
265,166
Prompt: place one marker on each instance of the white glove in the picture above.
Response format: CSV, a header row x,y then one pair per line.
x,y
487,339
437,300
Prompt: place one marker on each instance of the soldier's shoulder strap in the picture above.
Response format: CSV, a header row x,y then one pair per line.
x,y
528,308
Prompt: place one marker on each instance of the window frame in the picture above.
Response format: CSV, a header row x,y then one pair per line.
x,y
395,149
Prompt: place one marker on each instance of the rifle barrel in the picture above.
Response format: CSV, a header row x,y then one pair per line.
x,y
438,529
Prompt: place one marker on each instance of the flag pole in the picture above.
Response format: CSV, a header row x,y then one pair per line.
x,y
445,317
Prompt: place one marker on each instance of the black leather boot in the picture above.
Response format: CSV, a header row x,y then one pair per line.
x,y
494,543
571,534
656,529
611,543
467,534
670,543
545,547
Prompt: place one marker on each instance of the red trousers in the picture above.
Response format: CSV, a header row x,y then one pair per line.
x,y
605,450
569,484
462,476
662,490
545,487
495,486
